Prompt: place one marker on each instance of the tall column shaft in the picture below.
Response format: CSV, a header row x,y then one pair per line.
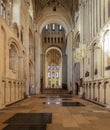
x,y
37,61
69,61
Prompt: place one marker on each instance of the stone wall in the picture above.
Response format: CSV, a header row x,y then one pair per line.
x,y
14,51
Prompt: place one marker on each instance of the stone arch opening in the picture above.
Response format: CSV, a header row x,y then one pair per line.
x,y
106,53
53,68
13,58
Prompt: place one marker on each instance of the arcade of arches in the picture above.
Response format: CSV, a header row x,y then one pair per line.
x,y
54,44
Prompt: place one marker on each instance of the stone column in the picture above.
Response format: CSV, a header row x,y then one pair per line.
x,y
102,12
17,88
37,61
81,21
98,15
87,91
95,17
92,19
64,69
69,61
12,91
90,91
105,93
14,87
98,93
92,63
43,72
106,10
2,93
94,85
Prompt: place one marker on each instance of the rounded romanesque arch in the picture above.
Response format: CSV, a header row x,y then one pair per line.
x,y
60,17
15,58
53,68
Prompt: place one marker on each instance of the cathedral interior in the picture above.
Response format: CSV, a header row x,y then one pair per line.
x,y
55,64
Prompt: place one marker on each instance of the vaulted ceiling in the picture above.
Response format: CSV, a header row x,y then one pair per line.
x,y
69,5
53,57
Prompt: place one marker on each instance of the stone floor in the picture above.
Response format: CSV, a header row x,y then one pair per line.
x,y
88,117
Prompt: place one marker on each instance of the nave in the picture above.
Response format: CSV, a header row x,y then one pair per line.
x,y
54,112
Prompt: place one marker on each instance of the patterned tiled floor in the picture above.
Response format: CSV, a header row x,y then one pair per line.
x,y
88,117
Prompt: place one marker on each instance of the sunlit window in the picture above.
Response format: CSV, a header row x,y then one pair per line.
x,y
49,74
53,26
53,74
57,67
53,67
3,10
107,43
46,27
107,50
57,74
49,67
60,27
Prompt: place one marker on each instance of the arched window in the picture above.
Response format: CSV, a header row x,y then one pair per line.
x,y
107,50
46,27
13,58
3,9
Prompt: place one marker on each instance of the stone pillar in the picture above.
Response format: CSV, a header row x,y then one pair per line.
x,y
81,22
94,90
90,91
102,12
92,19
95,17
2,93
98,93
37,61
17,85
89,20
106,10
69,61
12,91
14,87
64,69
105,93
92,63
98,15
87,91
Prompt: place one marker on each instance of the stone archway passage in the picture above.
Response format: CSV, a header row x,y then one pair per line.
x,y
53,68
